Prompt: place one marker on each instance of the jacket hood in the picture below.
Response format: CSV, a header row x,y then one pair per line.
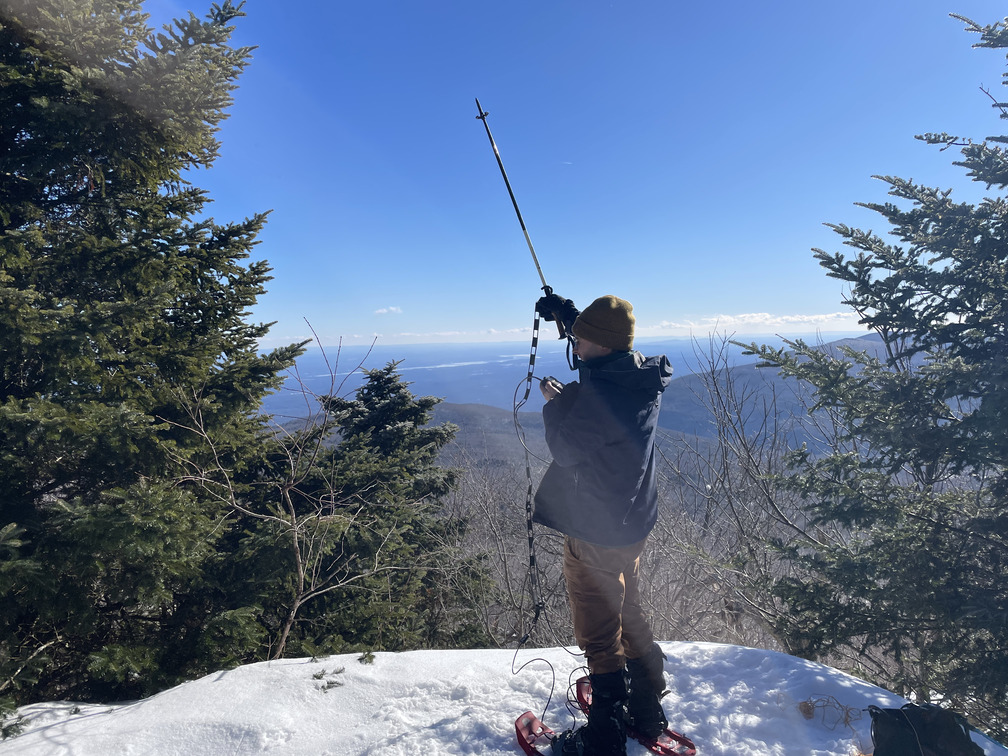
x,y
630,370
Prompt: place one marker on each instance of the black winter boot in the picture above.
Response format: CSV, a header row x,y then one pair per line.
x,y
646,682
605,733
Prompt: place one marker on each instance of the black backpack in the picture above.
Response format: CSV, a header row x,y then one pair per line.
x,y
927,730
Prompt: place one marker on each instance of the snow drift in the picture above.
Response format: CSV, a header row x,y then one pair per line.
x,y
731,701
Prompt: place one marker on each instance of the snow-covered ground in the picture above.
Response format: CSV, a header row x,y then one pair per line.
x,y
732,701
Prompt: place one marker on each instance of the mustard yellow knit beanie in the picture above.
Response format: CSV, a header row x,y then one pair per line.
x,y
608,322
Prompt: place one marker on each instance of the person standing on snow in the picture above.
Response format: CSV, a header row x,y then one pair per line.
x,y
600,491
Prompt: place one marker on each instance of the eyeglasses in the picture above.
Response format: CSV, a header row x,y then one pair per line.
x,y
573,340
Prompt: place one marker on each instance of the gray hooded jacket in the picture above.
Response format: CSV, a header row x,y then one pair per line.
x,y
601,485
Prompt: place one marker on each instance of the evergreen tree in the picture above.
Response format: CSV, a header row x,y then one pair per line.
x,y
916,595
121,307
346,534
387,456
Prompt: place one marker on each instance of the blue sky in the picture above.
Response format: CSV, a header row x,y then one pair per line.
x,y
683,156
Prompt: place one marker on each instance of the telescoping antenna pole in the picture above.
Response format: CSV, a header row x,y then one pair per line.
x,y
536,594
483,117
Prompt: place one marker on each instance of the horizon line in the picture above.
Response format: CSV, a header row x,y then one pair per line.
x,y
377,343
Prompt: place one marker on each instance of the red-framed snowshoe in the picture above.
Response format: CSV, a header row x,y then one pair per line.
x,y
532,733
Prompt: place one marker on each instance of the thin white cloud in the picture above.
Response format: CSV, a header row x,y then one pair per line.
x,y
388,311
489,334
756,322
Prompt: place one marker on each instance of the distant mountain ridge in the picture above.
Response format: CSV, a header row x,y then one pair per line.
x,y
479,385
492,373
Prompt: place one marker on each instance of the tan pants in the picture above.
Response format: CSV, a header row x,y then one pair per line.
x,y
603,588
